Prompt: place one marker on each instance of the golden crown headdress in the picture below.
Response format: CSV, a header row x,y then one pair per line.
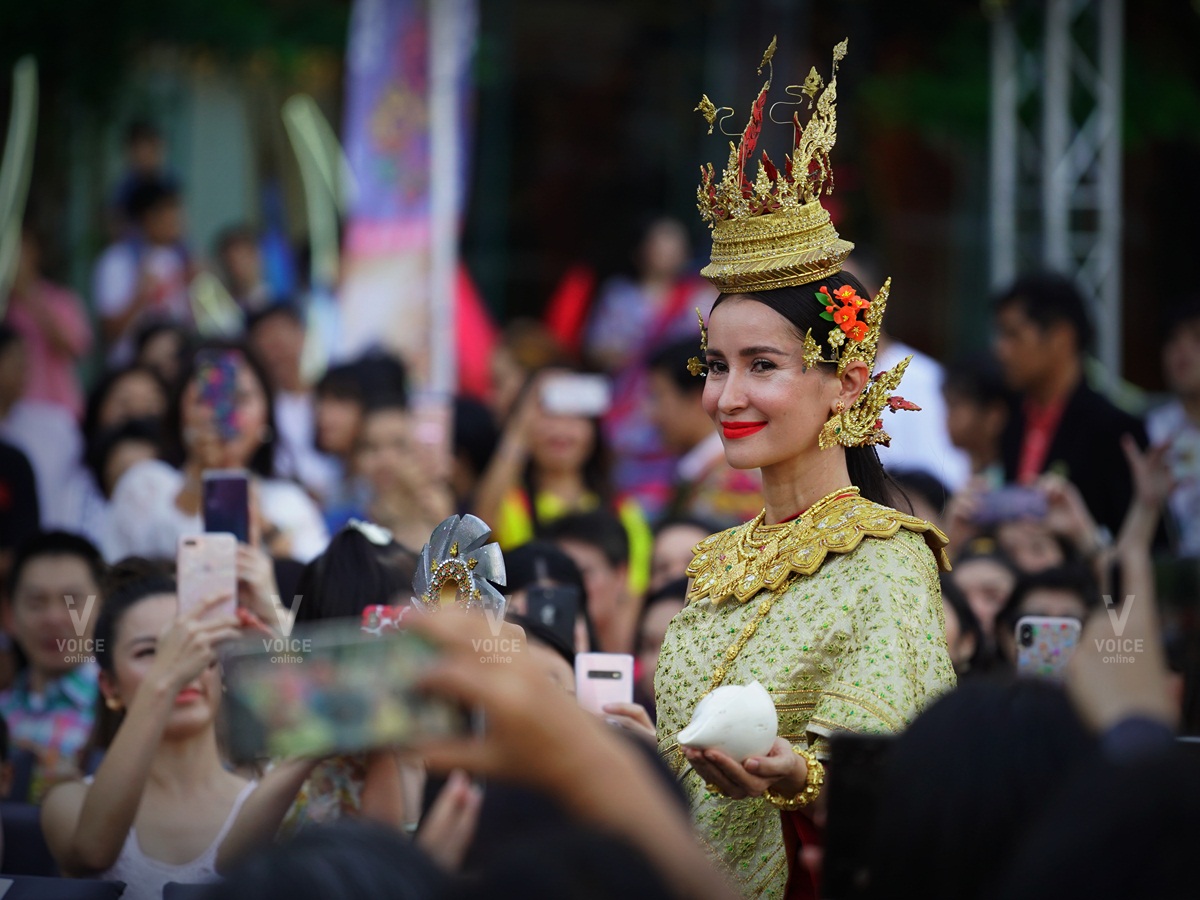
x,y
774,233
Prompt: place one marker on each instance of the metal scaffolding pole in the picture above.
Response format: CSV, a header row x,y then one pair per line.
x,y
1069,152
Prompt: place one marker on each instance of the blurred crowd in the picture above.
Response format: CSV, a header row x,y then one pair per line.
x,y
1056,500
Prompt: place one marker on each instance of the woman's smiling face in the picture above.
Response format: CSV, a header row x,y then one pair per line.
x,y
767,406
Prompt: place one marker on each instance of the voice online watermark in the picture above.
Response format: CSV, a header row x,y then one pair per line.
x,y
1119,650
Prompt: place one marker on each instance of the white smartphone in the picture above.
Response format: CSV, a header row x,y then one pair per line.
x,y
206,567
576,394
602,678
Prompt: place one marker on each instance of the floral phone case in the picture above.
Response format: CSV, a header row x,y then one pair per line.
x,y
1045,645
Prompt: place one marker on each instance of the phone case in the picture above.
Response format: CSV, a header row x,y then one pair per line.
x,y
226,494
206,567
216,374
329,688
602,678
1045,645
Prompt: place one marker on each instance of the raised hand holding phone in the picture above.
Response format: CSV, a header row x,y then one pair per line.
x,y
206,566
188,646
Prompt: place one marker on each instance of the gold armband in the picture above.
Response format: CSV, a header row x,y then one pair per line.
x,y
812,785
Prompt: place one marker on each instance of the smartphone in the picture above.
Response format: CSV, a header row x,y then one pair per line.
x,y
227,502
602,678
576,394
216,376
1045,645
206,567
854,776
1011,503
556,607
329,689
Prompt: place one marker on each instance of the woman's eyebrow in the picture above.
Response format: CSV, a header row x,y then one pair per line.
x,y
755,351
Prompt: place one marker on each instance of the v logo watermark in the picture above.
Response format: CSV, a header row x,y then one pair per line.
x,y
1118,619
495,619
287,617
80,622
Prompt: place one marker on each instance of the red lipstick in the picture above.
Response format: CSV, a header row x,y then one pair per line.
x,y
187,695
735,430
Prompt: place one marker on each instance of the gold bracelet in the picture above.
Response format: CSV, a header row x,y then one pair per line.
x,y
812,785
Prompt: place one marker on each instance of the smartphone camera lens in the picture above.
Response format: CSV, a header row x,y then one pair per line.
x,y
1026,636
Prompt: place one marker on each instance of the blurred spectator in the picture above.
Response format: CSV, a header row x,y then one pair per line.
x,y
54,327
1061,424
548,651
145,161
990,753
241,265
19,514
920,442
963,635
525,347
1177,423
977,411
46,433
674,541
403,497
1066,592
598,544
548,465
130,392
475,438
924,494
987,577
144,276
545,565
661,606
339,406
53,599
703,483
631,317
158,501
162,347
276,335
162,799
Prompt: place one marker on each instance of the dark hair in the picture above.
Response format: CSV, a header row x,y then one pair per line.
x,y
8,337
340,383
968,622
104,387
672,360
475,433
129,582
799,306
1178,314
1046,299
979,379
1075,579
1149,828
536,562
148,195
928,487
992,754
263,461
275,310
3,739
346,860
234,234
544,635
141,130
985,547
101,446
381,376
55,543
352,574
600,529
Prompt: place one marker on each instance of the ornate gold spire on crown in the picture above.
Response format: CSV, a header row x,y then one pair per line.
x,y
773,232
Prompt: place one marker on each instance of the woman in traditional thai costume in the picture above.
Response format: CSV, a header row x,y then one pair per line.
x,y
829,598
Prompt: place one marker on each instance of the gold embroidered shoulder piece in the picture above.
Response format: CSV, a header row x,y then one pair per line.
x,y
742,561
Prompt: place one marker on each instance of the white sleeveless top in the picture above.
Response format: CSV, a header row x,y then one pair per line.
x,y
144,877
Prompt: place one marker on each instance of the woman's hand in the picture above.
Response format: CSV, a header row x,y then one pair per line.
x,y
188,646
632,717
258,594
781,771
1067,513
1151,473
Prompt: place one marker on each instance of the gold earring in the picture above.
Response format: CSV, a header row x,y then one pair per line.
x,y
831,432
113,704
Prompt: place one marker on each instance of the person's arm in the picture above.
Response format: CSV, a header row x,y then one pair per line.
x,y
263,812
383,791
86,830
507,466
537,735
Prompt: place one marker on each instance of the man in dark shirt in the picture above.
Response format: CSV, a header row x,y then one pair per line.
x,y
1060,424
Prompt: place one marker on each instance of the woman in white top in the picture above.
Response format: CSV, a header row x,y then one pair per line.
x,y
157,501
161,801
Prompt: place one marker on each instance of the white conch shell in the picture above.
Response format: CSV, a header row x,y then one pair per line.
x,y
739,720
